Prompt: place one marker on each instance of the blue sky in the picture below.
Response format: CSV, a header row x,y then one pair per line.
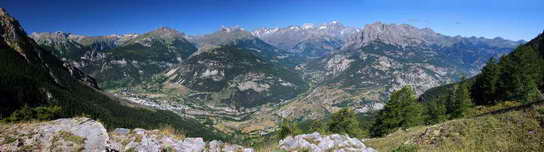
x,y
511,19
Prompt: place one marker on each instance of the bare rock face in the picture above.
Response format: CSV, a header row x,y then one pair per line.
x,y
77,134
155,140
318,143
402,35
84,134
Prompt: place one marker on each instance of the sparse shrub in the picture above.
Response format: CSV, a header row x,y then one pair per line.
x,y
47,113
540,110
169,130
288,128
23,114
405,148
9,139
27,113
71,137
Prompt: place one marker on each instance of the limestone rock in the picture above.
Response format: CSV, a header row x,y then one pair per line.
x,y
84,134
318,143
60,135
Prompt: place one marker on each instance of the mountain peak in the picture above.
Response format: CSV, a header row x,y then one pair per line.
x,y
232,29
11,29
377,23
3,12
165,33
397,34
334,23
12,35
166,30
59,35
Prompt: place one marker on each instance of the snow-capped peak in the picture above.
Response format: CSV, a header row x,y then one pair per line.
x,y
231,29
323,27
307,26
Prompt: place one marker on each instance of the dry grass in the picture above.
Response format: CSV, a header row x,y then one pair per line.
x,y
268,147
519,130
171,131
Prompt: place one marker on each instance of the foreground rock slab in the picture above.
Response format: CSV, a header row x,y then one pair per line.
x,y
76,134
157,140
319,143
84,134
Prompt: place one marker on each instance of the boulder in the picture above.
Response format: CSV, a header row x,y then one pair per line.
x,y
318,143
75,134
84,134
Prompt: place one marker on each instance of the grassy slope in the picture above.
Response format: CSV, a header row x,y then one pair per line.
x,y
514,128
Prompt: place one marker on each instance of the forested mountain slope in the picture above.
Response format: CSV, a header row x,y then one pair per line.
x,y
35,84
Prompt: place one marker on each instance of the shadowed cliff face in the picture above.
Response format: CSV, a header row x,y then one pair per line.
x,y
13,37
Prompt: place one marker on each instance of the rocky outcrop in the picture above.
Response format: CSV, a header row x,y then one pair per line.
x,y
84,134
77,134
320,143
156,140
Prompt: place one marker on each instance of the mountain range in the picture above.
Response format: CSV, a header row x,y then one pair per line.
x,y
33,81
233,77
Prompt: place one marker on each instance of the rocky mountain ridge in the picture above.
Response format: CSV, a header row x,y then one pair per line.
x,y
383,59
33,81
309,40
344,66
120,59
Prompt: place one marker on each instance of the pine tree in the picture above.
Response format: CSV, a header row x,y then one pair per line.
x,y
462,101
402,110
450,101
523,73
436,112
485,87
344,122
530,92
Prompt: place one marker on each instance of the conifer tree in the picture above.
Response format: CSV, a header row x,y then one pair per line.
x,y
436,111
344,122
462,101
529,92
485,88
402,110
521,69
450,101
